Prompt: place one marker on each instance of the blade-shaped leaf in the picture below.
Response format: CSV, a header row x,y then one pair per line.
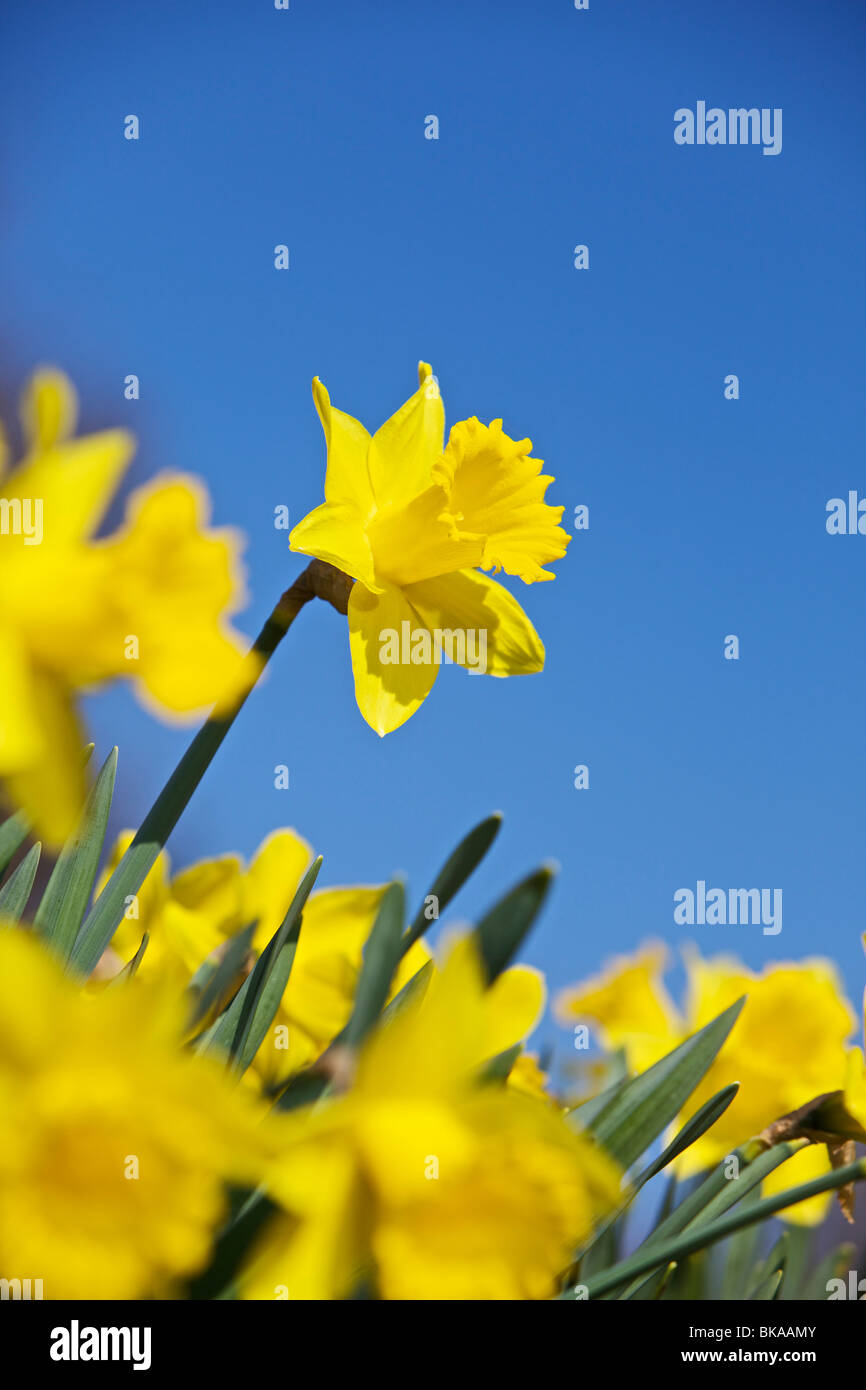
x,y
501,931
213,987
382,955
691,1131
699,1236
239,1031
643,1108
13,833
126,974
16,890
64,902
455,871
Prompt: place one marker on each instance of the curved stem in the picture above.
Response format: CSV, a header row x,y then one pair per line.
x,y
318,580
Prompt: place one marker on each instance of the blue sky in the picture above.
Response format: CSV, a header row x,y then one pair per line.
x,y
707,516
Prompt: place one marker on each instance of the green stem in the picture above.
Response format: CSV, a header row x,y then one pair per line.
x,y
698,1236
107,912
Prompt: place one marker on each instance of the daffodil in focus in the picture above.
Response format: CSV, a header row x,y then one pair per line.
x,y
116,1143
414,522
787,1046
425,1180
190,915
149,602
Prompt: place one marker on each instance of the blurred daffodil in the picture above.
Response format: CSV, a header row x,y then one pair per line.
x,y
414,523
149,602
116,1142
190,915
787,1046
426,1180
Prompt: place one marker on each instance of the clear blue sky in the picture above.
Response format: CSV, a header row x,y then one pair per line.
x,y
306,127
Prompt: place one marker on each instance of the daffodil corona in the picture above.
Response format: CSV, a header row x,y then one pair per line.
x,y
414,522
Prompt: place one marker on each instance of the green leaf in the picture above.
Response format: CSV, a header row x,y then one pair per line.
x,y
740,1254
499,1067
766,1281
501,930
13,833
692,1130
700,1236
233,1244
645,1106
239,1031
64,902
126,974
413,989
210,989
16,890
451,877
382,955
267,984
834,1266
719,1191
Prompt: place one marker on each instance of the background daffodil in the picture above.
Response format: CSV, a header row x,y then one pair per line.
x,y
116,1142
149,602
191,915
414,522
788,1045
434,1184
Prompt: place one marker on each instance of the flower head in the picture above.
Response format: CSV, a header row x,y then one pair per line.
x,y
413,523
191,914
426,1179
787,1046
149,602
115,1142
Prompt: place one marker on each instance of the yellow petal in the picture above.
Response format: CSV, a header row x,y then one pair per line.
x,y
512,1006
630,1005
21,739
75,482
48,409
388,692
272,880
504,643
50,787
811,1162
174,583
347,479
334,532
497,491
404,450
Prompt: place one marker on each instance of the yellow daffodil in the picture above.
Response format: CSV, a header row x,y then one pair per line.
x,y
787,1046
413,523
191,914
422,1178
115,1142
855,1081
148,602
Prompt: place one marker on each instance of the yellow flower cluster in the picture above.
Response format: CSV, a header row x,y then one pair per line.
x,y
787,1047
